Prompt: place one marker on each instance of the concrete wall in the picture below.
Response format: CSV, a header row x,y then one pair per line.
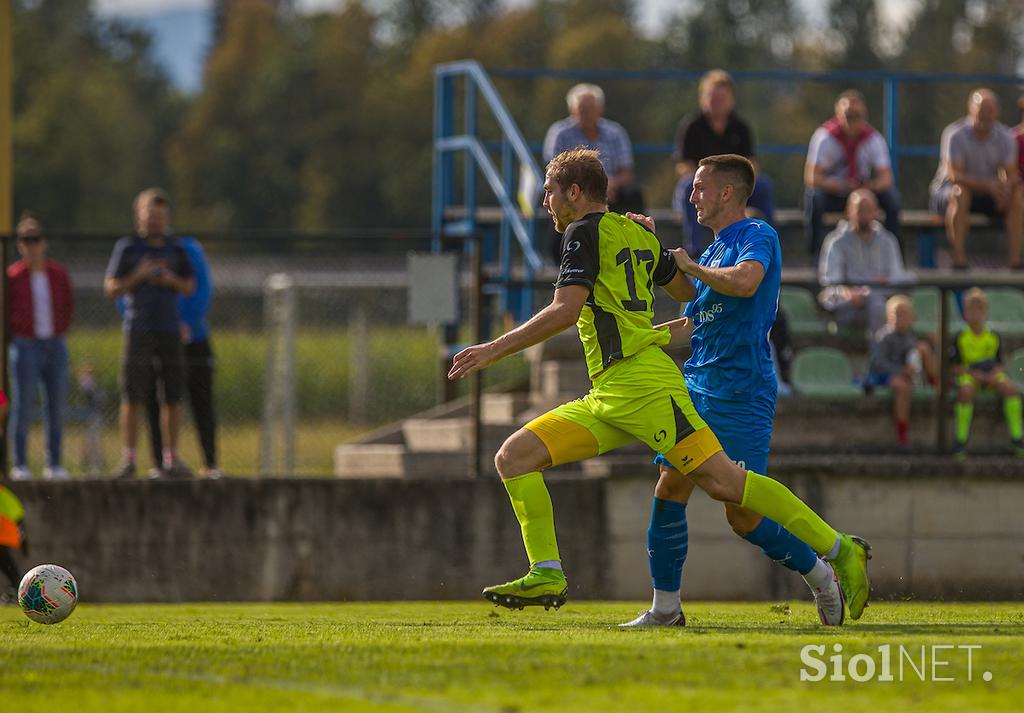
x,y
953,533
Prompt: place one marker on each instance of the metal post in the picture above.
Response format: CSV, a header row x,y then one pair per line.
x,y
890,108
469,163
279,318
6,187
505,244
942,392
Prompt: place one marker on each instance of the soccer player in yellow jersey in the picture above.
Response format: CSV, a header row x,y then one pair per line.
x,y
605,286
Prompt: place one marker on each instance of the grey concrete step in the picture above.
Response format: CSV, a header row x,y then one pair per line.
x,y
354,460
423,435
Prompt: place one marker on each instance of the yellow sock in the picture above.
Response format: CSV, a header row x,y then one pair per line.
x,y
774,500
532,505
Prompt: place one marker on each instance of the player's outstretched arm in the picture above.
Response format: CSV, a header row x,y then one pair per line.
x,y
562,313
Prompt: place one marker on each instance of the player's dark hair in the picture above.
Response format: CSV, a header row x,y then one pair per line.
x,y
582,167
734,170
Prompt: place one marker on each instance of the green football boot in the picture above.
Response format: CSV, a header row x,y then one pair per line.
x,y
541,587
851,566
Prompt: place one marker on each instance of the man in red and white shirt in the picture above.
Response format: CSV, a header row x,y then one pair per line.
x,y
41,305
847,153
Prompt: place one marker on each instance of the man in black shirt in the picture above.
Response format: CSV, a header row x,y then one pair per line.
x,y
715,129
150,269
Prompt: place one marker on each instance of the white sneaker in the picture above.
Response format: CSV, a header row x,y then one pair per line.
x,y
214,473
21,472
830,602
55,473
648,618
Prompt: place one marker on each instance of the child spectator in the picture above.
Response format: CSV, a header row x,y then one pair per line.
x,y
898,360
977,357
93,401
11,538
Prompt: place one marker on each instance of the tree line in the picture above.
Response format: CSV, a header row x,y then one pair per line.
x,y
324,121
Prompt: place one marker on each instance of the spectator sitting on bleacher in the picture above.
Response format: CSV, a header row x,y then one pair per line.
x,y
858,257
1019,135
977,358
586,126
898,360
714,129
847,153
978,173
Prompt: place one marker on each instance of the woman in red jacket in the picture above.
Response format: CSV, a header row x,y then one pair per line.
x,y
41,305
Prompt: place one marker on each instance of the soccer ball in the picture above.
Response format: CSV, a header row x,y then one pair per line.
x,y
48,594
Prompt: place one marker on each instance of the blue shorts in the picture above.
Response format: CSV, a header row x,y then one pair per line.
x,y
744,428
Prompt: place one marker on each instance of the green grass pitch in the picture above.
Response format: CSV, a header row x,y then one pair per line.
x,y
468,656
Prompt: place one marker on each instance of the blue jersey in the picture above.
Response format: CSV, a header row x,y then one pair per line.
x,y
731,357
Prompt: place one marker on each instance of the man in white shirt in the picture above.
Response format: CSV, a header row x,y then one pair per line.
x,y
847,153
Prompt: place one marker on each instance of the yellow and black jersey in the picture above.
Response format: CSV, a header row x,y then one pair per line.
x,y
621,262
977,351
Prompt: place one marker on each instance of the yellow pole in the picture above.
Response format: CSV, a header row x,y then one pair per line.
x,y
6,78
6,185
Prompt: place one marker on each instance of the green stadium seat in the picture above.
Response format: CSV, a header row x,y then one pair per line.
x,y
1015,368
1006,310
801,311
824,372
926,307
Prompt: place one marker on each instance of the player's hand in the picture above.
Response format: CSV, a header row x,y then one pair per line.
x,y
644,220
683,260
471,359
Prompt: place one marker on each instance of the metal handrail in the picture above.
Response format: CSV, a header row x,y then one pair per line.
x,y
516,221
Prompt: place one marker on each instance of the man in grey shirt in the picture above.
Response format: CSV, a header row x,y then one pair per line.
x,y
859,261
978,174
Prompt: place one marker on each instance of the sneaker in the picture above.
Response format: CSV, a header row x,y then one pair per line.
x,y
212,473
125,471
178,471
851,567
649,618
542,586
55,472
156,473
21,472
830,600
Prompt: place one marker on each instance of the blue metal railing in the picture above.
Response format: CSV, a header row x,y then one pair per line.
x,y
517,220
518,195
891,82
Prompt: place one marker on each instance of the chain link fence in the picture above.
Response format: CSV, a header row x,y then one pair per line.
x,y
312,347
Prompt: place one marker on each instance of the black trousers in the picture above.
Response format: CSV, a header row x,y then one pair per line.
x,y
199,385
8,567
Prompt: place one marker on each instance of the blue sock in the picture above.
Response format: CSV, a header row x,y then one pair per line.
x,y
667,543
782,546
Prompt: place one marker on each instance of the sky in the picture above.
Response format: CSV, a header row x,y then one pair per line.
x,y
182,28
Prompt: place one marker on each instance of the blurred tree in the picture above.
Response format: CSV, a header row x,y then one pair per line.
x,y
91,111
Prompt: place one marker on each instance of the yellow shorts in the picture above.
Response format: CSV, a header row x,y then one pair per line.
x,y
967,379
642,398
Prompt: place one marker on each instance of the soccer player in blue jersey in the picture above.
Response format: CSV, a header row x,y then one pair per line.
x,y
733,296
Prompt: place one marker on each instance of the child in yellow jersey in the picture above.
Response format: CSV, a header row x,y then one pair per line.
x,y
977,359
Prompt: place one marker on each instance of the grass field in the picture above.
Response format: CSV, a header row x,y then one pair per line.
x,y
461,656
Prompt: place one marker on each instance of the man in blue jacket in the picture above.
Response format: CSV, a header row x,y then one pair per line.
x,y
195,337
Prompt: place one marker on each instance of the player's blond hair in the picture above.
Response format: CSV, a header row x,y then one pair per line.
x,y
977,296
715,78
897,301
582,167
